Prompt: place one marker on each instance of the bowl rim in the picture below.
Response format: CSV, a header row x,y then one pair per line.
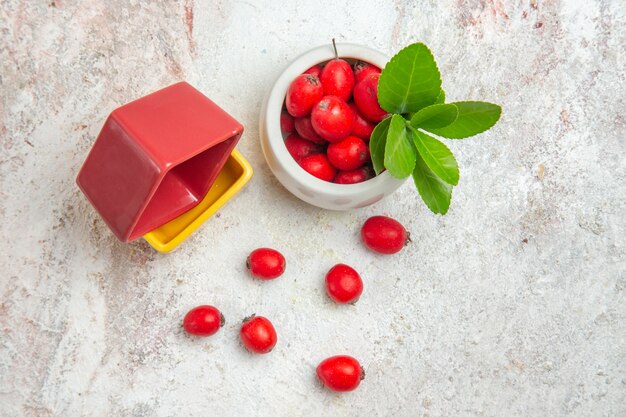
x,y
270,124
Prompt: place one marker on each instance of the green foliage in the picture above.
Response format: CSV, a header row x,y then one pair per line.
x,y
410,89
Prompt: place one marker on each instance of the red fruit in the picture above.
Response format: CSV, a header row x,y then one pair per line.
x,y
203,321
332,118
258,334
266,263
340,373
300,148
305,129
363,69
286,122
384,235
362,127
350,153
319,166
366,98
314,70
337,79
303,93
354,176
343,284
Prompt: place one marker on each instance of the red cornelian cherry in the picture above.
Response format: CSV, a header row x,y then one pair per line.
x,y
258,334
340,373
363,69
354,176
332,118
305,129
305,90
343,284
266,263
366,99
286,122
203,321
337,79
384,235
314,70
299,148
319,166
362,127
349,153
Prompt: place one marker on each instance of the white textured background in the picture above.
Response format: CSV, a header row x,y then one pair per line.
x,y
512,304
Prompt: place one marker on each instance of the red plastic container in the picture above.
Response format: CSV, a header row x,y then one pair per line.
x,y
156,158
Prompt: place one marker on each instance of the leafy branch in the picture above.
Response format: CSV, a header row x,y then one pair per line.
x,y
410,90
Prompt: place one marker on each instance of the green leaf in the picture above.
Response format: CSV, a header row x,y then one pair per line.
x,y
474,117
435,192
378,140
441,98
399,153
437,156
435,116
409,81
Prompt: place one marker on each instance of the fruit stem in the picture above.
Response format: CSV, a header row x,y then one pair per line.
x,y
335,48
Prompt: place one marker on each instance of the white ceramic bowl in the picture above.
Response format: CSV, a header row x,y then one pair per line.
x,y
299,182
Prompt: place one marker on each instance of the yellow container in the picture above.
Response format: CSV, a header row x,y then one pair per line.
x,y
235,174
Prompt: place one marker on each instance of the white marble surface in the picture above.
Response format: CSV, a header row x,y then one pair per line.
x,y
513,304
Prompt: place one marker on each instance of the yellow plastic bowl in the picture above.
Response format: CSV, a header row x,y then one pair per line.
x,y
231,179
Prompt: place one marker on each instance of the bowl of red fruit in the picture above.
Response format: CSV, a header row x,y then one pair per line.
x,y
316,124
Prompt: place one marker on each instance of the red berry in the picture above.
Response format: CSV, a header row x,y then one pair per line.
x,y
305,129
349,153
337,79
343,284
366,98
384,235
340,373
258,334
363,69
314,70
286,122
362,127
354,176
319,166
203,321
266,263
332,118
299,148
303,93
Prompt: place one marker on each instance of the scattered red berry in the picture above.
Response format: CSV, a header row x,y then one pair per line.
x,y
305,129
363,69
354,176
332,118
258,334
299,148
343,284
314,70
362,127
366,98
286,122
266,263
349,153
384,235
203,321
303,93
337,79
340,373
319,166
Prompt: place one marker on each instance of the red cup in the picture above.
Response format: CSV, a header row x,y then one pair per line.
x,y
155,158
